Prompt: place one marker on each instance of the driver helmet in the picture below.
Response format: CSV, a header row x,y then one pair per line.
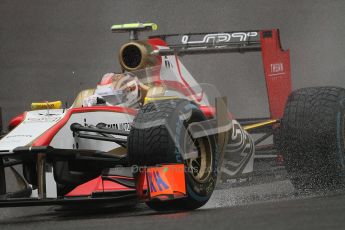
x,y
119,89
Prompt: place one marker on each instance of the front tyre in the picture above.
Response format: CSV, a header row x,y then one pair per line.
x,y
160,135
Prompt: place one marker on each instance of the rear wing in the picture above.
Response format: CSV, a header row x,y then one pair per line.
x,y
195,43
276,61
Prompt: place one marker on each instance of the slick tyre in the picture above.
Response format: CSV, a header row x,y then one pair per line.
x,y
312,138
158,136
2,178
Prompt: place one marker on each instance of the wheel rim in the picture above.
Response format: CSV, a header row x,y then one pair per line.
x,y
200,167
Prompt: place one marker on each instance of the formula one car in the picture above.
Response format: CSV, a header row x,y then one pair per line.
x,y
152,133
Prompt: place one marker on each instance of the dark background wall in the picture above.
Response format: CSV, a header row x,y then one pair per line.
x,y
43,42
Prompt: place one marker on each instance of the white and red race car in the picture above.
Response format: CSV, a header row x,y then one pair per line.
x,y
152,133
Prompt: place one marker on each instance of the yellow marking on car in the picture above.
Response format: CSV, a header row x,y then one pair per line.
x,y
46,105
260,124
150,99
129,26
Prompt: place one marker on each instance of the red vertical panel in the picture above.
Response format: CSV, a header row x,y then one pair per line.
x,y
141,184
277,72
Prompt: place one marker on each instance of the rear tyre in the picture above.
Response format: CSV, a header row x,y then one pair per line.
x,y
157,132
2,178
312,138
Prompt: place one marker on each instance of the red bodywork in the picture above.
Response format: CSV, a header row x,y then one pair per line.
x,y
16,121
162,182
277,72
46,138
99,185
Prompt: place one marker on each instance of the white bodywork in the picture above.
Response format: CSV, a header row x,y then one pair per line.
x,y
64,138
36,123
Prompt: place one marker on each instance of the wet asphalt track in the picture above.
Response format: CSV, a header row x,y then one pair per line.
x,y
268,205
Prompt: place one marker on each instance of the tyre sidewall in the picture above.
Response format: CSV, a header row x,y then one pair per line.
x,y
185,111
312,137
340,139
